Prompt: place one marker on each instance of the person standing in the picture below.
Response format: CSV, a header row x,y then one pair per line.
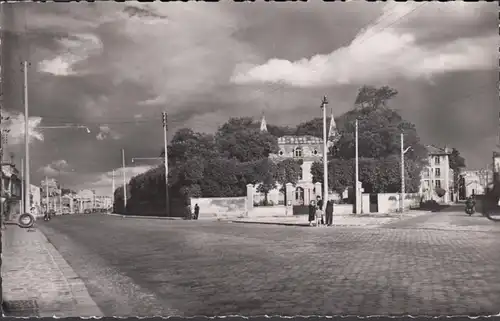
x,y
196,211
319,212
312,212
329,213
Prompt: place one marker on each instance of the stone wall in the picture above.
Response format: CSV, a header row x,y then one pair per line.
x,y
220,207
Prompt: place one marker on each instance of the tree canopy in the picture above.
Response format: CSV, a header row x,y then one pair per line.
x,y
379,138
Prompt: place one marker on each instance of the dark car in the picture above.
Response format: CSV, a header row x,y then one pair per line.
x,y
87,211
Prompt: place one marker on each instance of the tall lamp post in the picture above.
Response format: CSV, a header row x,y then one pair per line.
x,y
324,102
403,152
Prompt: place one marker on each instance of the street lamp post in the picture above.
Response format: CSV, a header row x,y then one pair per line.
x,y
325,155
403,152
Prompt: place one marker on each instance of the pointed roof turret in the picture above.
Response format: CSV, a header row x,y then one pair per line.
x,y
263,124
332,131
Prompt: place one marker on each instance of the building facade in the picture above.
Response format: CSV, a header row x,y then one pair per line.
x,y
307,148
476,181
11,191
437,174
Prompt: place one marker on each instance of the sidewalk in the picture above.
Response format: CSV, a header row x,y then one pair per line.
x,y
37,281
364,220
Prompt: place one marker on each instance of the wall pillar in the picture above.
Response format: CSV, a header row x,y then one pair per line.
x,y
250,195
318,190
289,193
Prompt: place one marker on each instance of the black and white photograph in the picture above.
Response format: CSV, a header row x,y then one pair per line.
x,y
249,158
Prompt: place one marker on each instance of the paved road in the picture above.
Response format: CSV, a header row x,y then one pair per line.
x,y
139,267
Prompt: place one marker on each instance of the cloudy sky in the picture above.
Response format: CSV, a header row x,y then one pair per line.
x,y
113,67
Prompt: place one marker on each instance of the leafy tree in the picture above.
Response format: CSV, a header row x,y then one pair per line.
x,y
280,131
237,139
457,163
379,130
440,192
313,127
375,98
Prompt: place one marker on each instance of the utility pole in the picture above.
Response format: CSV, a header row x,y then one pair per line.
x,y
60,192
402,201
357,192
113,187
165,142
124,181
26,139
325,155
403,188
22,187
47,192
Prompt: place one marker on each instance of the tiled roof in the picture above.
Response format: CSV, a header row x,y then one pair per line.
x,y
295,140
433,150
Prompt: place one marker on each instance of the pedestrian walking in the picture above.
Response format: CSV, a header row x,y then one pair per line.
x,y
329,213
319,212
196,211
312,212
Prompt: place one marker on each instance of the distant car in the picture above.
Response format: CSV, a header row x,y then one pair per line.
x,y
87,211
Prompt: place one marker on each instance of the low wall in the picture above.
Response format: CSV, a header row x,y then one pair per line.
x,y
387,205
342,209
268,211
220,207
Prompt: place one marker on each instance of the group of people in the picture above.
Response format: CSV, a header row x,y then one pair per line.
x,y
316,214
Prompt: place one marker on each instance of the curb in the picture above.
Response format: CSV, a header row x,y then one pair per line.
x,y
271,223
145,217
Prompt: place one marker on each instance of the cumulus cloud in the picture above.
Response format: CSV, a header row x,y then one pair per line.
x,y
103,182
106,132
379,52
16,129
76,48
55,168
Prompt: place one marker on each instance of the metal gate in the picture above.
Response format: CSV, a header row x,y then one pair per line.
x,y
373,203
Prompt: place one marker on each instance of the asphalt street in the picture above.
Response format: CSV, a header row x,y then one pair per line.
x,y
146,267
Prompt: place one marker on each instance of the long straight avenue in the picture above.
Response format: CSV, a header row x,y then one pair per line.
x,y
146,267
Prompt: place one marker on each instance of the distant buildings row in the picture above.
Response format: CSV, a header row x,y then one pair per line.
x,y
69,203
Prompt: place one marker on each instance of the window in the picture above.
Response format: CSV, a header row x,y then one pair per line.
x,y
301,175
438,183
438,172
437,160
298,152
281,153
315,152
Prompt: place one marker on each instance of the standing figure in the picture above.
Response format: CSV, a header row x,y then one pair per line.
x,y
312,212
329,213
196,211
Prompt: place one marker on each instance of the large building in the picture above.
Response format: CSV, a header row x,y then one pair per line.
x,y
475,181
437,174
307,148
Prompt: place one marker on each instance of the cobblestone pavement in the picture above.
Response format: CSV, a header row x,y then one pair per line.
x,y
365,220
154,267
452,219
33,270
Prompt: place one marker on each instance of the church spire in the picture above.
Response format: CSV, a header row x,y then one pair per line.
x,y
332,131
263,124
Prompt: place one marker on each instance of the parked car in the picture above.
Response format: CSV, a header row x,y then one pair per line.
x,y
87,211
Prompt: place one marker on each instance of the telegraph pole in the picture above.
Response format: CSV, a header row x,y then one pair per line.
x,y
124,182
402,204
47,192
165,142
26,140
22,186
113,187
356,188
325,153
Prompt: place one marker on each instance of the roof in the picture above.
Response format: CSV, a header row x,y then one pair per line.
x,y
433,150
299,140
